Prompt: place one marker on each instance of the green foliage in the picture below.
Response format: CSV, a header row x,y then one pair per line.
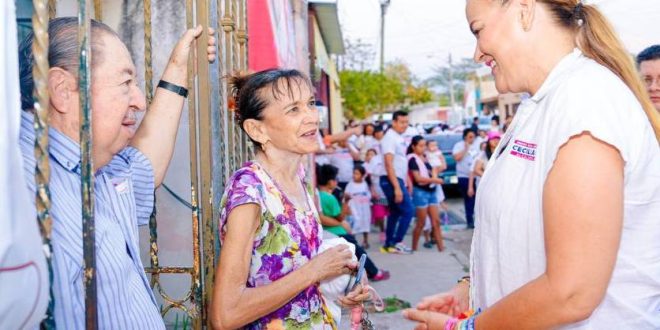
x,y
366,92
394,304
444,100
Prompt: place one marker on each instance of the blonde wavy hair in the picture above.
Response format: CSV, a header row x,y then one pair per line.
x,y
597,40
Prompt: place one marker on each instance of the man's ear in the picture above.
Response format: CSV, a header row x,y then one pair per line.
x,y
62,89
256,131
527,9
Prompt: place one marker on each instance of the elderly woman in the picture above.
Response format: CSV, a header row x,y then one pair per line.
x,y
269,270
568,207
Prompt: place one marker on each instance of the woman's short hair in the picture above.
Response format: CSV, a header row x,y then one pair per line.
x,y
248,92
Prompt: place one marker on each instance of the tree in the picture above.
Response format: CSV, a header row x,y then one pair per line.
x,y
461,71
359,56
365,91
413,91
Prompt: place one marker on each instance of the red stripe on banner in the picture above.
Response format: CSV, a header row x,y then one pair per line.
x,y
261,39
36,298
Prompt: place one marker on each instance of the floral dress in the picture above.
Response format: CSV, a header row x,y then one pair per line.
x,y
286,239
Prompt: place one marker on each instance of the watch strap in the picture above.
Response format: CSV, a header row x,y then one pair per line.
x,y
173,88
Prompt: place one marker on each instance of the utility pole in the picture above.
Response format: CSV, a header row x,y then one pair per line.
x,y
452,98
383,9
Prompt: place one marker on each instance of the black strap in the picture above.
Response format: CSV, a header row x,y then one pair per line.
x,y
173,88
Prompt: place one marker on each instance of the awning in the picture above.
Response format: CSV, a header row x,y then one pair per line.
x,y
326,14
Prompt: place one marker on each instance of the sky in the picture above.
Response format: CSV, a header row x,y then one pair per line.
x,y
422,33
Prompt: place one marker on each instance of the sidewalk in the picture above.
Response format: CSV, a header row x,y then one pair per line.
x,y
423,273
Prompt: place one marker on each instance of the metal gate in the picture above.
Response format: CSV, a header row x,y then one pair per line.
x,y
217,147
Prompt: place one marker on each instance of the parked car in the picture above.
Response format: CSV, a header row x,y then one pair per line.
x,y
484,122
446,144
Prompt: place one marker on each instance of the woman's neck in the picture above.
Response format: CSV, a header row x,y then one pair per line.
x,y
325,189
281,166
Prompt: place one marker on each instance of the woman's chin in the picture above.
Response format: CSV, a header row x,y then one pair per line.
x,y
502,87
307,148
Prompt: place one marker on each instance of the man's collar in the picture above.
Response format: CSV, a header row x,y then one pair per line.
x,y
63,149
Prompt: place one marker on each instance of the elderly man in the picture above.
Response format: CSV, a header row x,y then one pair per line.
x,y
648,62
128,164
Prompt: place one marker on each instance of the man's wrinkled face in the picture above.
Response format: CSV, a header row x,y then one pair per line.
x,y
116,98
650,72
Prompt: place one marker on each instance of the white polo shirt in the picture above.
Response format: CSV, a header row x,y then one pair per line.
x,y
393,143
508,246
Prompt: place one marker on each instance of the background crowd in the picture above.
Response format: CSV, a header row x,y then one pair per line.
x,y
389,173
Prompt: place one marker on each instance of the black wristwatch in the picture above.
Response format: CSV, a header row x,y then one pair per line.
x,y
173,88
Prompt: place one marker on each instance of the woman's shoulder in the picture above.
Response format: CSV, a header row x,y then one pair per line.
x,y
246,183
593,99
594,83
593,93
248,175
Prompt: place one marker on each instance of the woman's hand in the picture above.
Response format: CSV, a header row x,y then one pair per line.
x,y
454,302
355,298
426,320
331,263
470,191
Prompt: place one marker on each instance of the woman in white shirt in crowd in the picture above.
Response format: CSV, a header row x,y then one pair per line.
x,y
569,208
437,160
367,140
479,166
373,164
464,153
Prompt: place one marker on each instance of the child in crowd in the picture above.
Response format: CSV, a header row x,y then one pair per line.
x,y
333,218
437,160
343,159
360,204
375,168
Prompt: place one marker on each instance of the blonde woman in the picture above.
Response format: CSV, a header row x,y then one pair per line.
x,y
569,208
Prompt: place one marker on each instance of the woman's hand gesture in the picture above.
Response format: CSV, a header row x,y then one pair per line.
x,y
331,263
454,302
356,297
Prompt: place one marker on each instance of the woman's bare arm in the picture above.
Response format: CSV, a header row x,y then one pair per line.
x,y
583,217
234,304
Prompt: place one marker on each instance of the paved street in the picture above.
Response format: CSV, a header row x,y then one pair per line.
x,y
425,272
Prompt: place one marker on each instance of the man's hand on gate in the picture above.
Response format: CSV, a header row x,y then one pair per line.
x,y
181,51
